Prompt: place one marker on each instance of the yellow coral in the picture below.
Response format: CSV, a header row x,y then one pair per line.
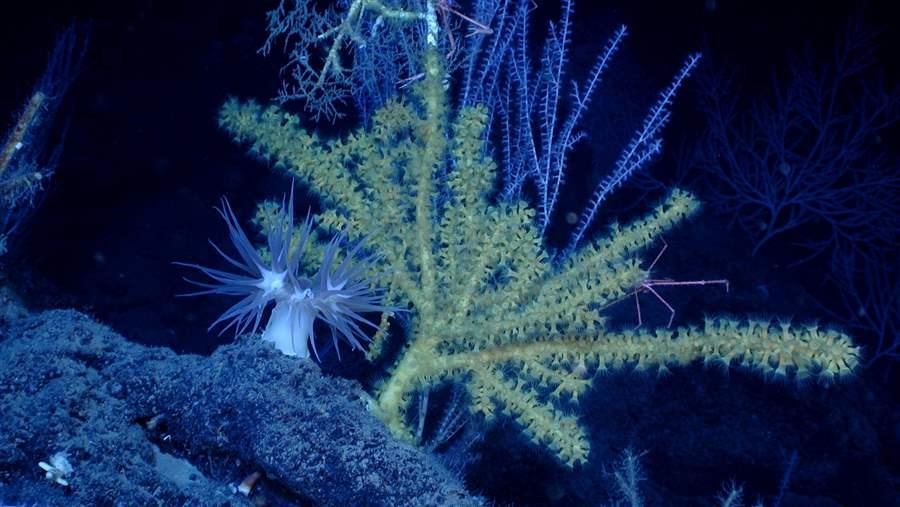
x,y
489,310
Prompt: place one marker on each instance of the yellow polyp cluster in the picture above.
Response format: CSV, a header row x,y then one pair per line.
x,y
487,309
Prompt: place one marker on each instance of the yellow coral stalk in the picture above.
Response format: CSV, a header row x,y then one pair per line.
x,y
489,311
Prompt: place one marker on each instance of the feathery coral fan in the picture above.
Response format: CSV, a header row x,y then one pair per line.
x,y
489,310
337,294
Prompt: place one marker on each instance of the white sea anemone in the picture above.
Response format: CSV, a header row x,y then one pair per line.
x,y
338,294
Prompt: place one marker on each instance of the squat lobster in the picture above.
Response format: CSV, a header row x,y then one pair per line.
x,y
648,285
476,27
